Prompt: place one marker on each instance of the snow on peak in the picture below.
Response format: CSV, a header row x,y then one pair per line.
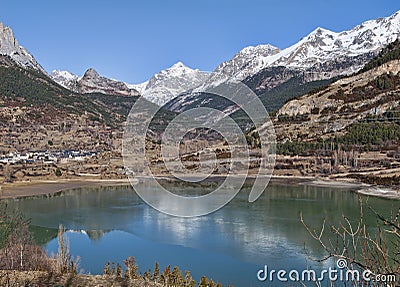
x,y
319,31
169,83
138,87
178,65
59,75
264,50
92,82
65,78
178,69
318,47
246,62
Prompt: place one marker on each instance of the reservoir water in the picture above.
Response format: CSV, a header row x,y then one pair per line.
x,y
229,246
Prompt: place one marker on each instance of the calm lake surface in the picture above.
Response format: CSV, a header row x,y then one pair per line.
x,y
229,246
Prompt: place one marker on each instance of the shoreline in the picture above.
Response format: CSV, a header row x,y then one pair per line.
x,y
50,188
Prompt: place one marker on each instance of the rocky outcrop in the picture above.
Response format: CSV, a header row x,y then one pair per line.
x,y
9,46
92,82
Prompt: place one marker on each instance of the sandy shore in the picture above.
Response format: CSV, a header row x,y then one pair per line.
x,y
359,188
383,192
51,187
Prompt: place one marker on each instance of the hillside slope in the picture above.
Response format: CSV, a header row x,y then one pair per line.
x,y
42,99
346,101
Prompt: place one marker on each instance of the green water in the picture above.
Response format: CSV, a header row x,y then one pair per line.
x,y
229,245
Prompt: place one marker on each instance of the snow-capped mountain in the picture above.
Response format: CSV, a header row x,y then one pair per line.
x,y
245,63
65,79
9,46
162,87
138,87
322,54
92,82
323,46
169,83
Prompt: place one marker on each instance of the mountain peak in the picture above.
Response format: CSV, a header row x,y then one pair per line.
x,y
92,82
9,46
65,79
168,83
91,72
8,34
65,74
178,64
246,62
320,31
266,48
177,69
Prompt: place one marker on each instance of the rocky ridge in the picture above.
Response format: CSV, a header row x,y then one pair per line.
x,y
92,82
9,46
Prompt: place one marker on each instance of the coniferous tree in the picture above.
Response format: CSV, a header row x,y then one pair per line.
x,y
203,282
167,274
107,268
112,268
189,282
131,268
119,271
156,273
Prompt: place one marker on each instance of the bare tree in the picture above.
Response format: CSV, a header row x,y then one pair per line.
x,y
8,173
131,268
18,250
65,262
378,252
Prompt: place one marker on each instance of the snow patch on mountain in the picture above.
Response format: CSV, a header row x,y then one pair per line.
x,y
9,46
320,47
92,82
245,63
138,87
64,78
169,83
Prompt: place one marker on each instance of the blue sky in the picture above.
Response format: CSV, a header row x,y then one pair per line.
x,y
132,40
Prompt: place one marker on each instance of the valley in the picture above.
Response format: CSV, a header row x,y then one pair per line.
x,y
323,110
285,156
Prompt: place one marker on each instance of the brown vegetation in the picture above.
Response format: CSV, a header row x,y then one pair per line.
x,y
363,249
